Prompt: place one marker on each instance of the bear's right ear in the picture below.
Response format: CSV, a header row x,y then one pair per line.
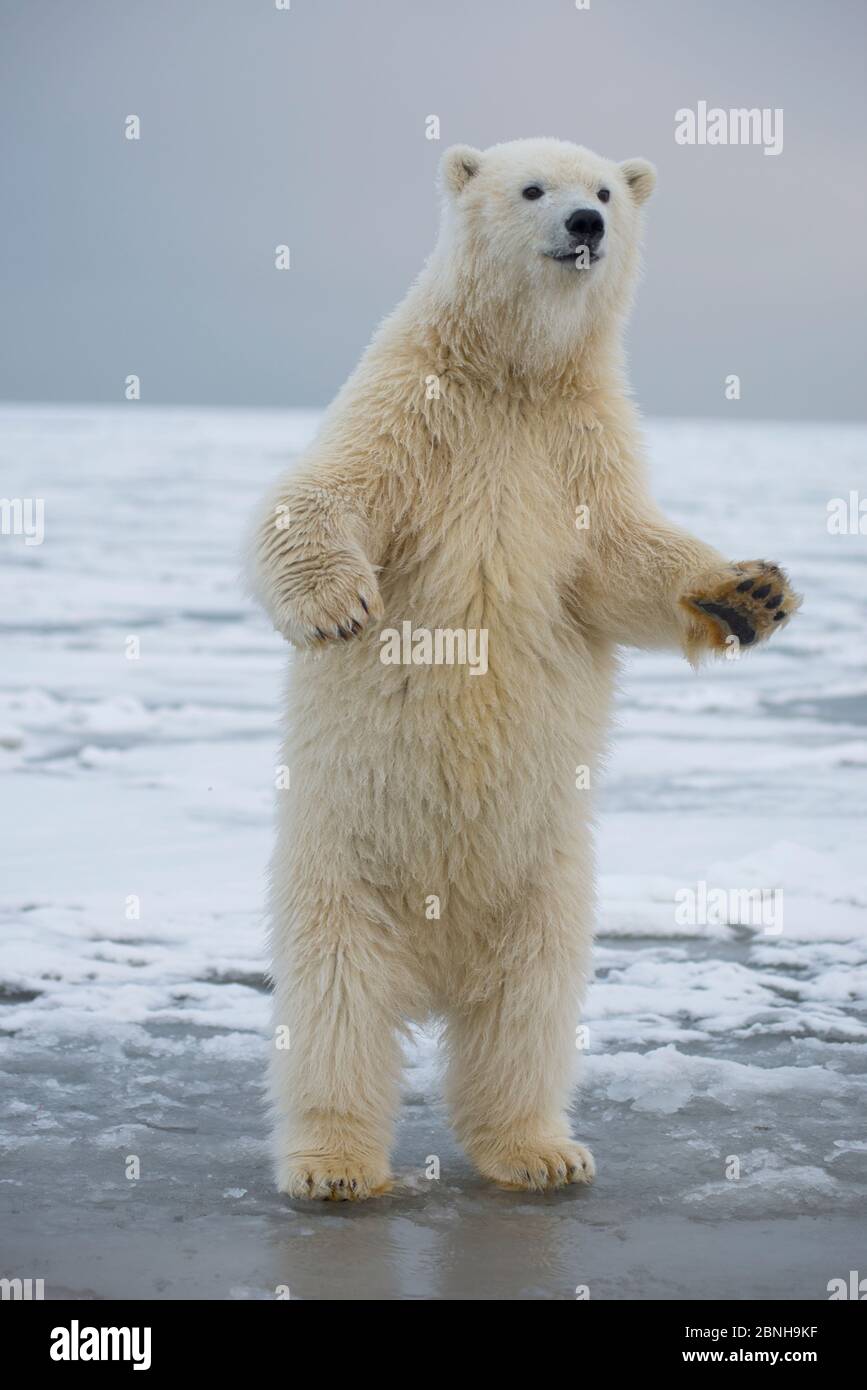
x,y
457,166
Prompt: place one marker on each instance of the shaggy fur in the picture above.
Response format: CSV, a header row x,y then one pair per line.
x,y
455,507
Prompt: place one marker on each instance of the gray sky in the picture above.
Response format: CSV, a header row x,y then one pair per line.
x,y
307,127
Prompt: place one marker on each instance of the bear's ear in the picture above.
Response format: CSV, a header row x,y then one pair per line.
x,y
457,166
640,175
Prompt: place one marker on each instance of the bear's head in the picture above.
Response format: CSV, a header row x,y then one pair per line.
x,y
541,236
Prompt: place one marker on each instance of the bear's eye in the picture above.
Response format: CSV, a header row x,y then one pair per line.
x,y
604,194
533,191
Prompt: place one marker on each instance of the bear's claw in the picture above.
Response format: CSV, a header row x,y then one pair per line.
x,y
536,1165
349,627
331,1178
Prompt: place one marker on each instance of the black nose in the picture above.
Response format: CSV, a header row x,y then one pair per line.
x,y
586,225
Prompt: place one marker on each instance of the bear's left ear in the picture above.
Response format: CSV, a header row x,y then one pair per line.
x,y
457,166
640,175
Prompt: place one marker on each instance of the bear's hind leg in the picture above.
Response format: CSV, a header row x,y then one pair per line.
x,y
335,1064
512,1056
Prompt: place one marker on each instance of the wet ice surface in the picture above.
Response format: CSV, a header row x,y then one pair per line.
x,y
153,778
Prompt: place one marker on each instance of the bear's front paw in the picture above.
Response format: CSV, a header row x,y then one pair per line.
x,y
747,602
335,604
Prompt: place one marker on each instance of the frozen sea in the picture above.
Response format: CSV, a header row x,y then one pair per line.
x,y
723,1082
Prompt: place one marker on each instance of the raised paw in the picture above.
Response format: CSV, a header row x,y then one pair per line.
x,y
748,601
349,626
334,606
332,1178
535,1165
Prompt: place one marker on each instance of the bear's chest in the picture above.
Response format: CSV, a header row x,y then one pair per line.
x,y
495,530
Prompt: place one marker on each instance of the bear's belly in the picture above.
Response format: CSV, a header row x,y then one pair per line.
x,y
448,747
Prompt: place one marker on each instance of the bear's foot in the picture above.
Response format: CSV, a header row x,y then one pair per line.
x,y
522,1164
747,602
332,1177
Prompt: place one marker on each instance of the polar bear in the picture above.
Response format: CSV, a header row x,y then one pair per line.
x,y
481,472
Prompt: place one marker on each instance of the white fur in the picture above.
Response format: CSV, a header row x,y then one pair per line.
x,y
458,511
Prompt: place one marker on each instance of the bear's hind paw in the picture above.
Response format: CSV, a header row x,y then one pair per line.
x,y
536,1165
332,1178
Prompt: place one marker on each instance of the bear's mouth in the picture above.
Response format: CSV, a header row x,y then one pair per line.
x,y
566,257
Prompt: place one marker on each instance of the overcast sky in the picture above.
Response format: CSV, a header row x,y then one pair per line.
x,y
306,127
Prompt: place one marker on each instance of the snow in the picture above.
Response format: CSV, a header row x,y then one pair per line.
x,y
139,789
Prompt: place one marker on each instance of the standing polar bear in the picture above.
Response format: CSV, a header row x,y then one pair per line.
x,y
479,479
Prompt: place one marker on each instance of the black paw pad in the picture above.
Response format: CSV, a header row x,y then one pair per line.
x,y
762,591
778,616
775,601
744,586
735,621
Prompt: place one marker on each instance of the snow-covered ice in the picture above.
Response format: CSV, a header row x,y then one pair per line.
x,y
139,702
